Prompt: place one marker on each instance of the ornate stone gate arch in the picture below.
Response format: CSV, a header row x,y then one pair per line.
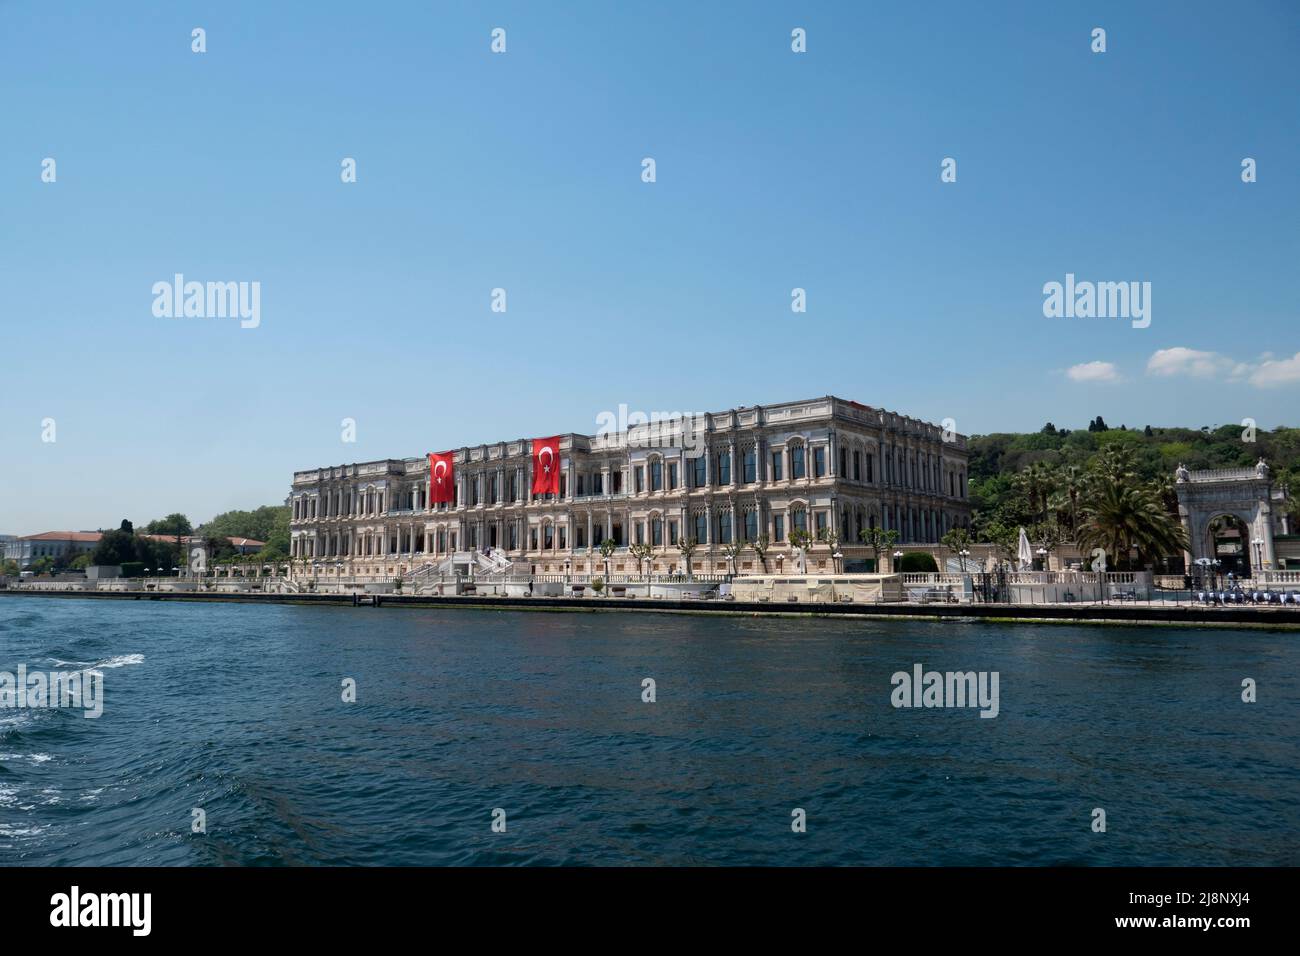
x,y
1243,493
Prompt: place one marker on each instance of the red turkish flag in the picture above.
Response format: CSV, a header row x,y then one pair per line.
x,y
546,466
442,478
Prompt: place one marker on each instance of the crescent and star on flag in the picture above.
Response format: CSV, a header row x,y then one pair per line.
x,y
546,471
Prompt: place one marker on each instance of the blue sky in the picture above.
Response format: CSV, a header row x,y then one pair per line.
x,y
522,171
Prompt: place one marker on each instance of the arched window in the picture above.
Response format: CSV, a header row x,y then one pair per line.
x,y
799,518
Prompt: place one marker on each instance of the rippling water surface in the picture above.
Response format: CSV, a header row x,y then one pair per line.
x,y
237,709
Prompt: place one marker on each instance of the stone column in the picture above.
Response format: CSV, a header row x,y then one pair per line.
x,y
1265,523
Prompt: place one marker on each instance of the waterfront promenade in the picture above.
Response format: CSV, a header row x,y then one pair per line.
x,y
1174,612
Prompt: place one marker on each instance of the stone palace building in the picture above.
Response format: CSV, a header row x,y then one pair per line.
x,y
822,464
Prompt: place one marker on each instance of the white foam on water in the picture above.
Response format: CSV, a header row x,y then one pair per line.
x,y
16,722
120,661
11,831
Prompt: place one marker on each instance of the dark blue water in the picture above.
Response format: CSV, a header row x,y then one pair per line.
x,y
237,709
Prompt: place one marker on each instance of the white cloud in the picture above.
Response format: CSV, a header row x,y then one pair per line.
x,y
1183,361
1273,372
1093,372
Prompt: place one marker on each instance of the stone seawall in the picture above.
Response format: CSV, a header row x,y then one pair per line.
x,y
1187,615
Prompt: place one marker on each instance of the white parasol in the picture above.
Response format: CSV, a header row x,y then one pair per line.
x,y
1024,553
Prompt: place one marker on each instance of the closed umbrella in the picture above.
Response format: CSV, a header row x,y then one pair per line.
x,y
1024,553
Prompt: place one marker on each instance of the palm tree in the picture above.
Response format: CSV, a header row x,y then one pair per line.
x,y
1073,484
1036,483
1115,464
1124,517
759,547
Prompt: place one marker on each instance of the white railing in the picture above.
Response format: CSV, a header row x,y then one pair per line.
x,y
1277,577
1221,474
422,573
931,577
916,578
495,563
587,578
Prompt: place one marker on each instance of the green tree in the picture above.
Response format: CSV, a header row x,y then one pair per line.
x,y
1047,535
957,540
879,541
800,540
115,547
1004,537
269,523
220,550
175,523
1123,518
687,547
1036,484
917,562
643,553
832,541
1073,484
733,552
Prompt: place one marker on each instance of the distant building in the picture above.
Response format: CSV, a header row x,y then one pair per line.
x,y
241,545
50,544
247,545
58,544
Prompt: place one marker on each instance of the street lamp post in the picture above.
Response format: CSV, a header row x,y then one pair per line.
x,y
898,556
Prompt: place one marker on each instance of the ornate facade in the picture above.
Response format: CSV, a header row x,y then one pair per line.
x,y
718,478
1245,495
